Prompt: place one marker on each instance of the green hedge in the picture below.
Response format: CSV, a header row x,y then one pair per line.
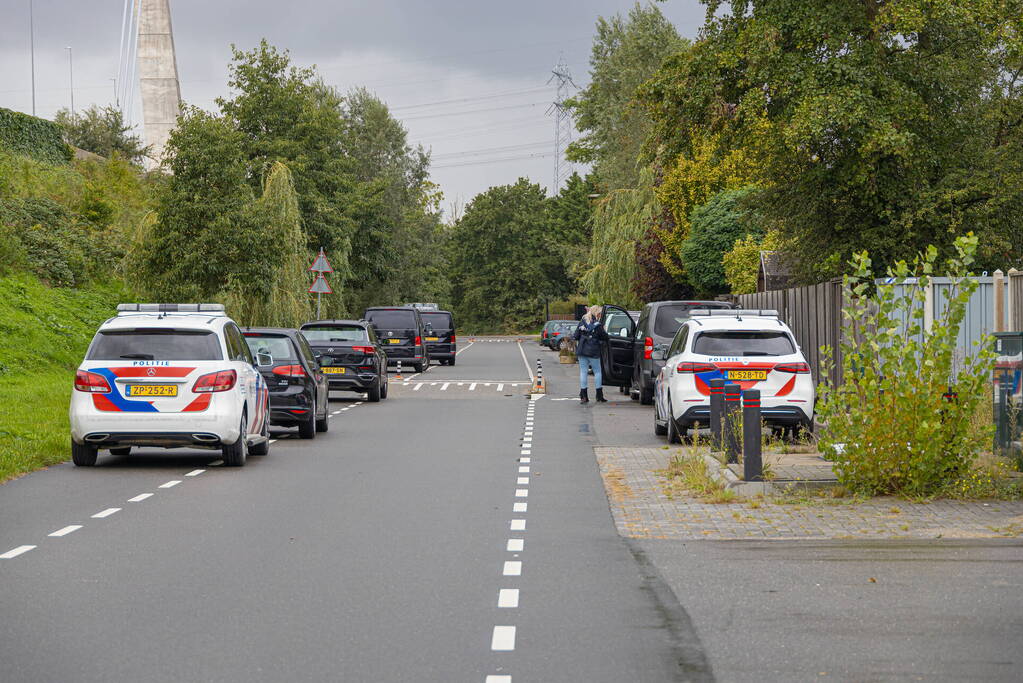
x,y
33,137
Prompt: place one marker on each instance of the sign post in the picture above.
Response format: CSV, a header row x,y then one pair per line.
x,y
320,285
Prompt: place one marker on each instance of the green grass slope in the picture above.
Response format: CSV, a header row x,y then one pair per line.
x,y
43,335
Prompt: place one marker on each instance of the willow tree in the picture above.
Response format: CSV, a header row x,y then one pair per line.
x,y
620,220
287,302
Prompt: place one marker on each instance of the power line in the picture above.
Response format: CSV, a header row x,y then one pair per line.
x,y
540,155
490,150
493,96
472,111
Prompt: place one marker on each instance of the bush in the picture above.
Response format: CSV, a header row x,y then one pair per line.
x,y
742,263
716,226
902,421
33,137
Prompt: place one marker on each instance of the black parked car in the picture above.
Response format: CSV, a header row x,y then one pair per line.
x,y
298,390
439,327
350,356
638,354
401,330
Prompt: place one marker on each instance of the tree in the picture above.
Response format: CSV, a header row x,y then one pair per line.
x,y
500,265
715,228
102,131
208,238
619,222
888,123
625,53
742,263
281,113
570,225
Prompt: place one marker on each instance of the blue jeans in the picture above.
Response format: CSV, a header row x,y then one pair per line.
x,y
585,363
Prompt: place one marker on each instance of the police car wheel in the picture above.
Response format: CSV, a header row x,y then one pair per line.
x,y
237,453
673,435
83,455
659,429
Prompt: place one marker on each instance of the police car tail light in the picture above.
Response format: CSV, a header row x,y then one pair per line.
x,y
648,348
289,370
91,382
363,349
216,381
795,368
695,367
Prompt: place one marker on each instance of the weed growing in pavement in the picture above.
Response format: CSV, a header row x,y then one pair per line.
x,y
902,419
990,477
688,473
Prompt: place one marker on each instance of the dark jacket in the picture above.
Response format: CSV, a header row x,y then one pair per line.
x,y
589,337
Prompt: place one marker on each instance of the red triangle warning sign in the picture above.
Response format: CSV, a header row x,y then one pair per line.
x,y
321,264
320,285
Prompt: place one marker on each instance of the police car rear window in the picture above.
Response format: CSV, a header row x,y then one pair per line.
x,y
156,344
335,333
743,343
392,319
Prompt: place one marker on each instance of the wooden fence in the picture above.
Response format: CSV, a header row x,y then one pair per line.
x,y
814,314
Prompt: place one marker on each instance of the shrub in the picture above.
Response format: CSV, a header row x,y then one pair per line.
x,y
716,225
742,263
33,137
902,420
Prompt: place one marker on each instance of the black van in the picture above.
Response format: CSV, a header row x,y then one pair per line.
x,y
400,330
439,327
632,360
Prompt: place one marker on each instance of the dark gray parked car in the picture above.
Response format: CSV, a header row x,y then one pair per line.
x,y
658,323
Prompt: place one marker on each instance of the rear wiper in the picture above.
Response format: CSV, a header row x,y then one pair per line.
x,y
138,356
758,353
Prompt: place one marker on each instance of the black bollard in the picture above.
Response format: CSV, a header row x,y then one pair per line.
x,y
730,422
752,464
717,400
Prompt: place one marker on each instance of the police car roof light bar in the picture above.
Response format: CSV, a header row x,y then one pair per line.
x,y
734,312
170,308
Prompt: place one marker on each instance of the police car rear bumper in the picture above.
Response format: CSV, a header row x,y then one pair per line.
x,y
197,439
771,415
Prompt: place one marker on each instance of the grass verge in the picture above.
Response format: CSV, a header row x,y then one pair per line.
x,y
43,335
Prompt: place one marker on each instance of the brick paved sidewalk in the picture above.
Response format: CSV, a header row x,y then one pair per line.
x,y
642,510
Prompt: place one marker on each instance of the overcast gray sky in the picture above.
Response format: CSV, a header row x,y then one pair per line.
x,y
467,78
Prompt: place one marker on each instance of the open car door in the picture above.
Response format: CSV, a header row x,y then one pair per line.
x,y
616,356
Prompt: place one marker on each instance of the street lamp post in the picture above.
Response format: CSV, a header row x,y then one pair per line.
x,y
32,51
71,78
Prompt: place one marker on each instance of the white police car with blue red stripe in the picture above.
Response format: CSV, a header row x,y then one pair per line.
x,y
751,348
169,375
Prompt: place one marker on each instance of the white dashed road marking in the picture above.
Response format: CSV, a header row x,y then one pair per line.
x,y
521,493
498,679
66,530
472,387
217,463
106,513
516,545
500,387
139,498
444,387
195,473
170,484
508,597
418,387
519,507
20,550
518,525
522,481
504,639
524,468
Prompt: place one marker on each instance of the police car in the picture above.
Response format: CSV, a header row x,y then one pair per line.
x,y
169,375
752,348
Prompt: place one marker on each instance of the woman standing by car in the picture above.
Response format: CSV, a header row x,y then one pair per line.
x,y
590,336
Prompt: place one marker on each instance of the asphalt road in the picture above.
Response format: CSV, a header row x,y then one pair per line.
x,y
430,537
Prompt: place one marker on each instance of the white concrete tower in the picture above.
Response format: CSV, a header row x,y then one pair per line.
x,y
158,74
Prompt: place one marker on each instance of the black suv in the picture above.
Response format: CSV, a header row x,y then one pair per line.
x,y
658,323
350,356
298,390
439,327
401,331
